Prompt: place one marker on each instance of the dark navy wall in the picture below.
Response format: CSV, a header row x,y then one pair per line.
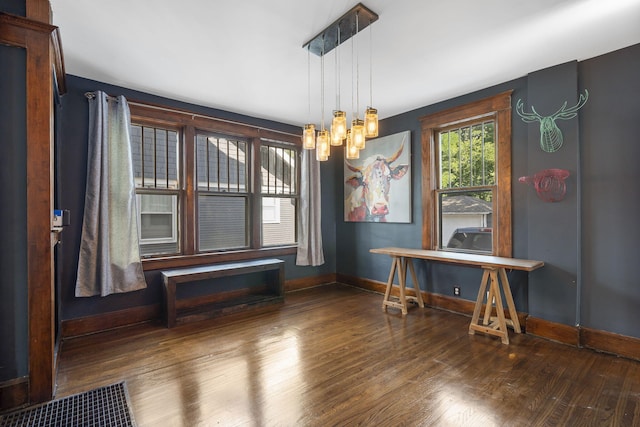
x,y
13,214
73,128
589,241
15,7
553,227
610,138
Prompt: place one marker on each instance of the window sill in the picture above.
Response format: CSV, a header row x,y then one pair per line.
x,y
160,263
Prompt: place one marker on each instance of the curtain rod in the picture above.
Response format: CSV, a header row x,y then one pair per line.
x,y
92,95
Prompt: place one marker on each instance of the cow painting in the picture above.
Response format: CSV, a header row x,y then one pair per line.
x,y
370,191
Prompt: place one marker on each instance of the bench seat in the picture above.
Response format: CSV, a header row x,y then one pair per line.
x,y
229,301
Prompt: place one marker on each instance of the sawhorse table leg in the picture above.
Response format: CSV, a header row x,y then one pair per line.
x,y
491,277
399,265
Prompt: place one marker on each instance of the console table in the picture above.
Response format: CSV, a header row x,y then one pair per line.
x,y
494,274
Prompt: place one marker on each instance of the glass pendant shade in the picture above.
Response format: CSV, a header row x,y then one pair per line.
x,y
335,138
309,136
371,123
357,133
338,127
322,146
351,151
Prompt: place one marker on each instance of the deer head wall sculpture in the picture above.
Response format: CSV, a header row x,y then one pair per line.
x,y
550,135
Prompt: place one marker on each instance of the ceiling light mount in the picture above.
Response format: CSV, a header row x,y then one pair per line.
x,y
349,24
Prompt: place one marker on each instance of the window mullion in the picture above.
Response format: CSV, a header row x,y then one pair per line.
x,y
471,156
281,161
484,166
238,166
189,190
155,159
255,194
166,157
292,189
142,155
207,157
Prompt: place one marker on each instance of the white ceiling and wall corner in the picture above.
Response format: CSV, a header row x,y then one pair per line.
x,y
247,56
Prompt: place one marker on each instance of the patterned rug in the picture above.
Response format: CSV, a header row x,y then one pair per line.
x,y
103,407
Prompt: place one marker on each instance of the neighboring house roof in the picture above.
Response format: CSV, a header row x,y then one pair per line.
x,y
465,205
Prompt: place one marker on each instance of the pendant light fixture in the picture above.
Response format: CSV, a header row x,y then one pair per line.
x,y
351,151
338,127
371,114
339,123
322,146
346,27
371,123
309,130
357,133
357,125
322,141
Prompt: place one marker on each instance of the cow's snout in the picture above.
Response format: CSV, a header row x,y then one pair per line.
x,y
380,209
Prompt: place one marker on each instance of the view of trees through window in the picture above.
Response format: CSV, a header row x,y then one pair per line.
x,y
468,156
467,166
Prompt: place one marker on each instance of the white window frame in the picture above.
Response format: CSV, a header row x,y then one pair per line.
x,y
174,223
273,204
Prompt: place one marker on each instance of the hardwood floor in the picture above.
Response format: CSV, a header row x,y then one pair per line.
x,y
330,356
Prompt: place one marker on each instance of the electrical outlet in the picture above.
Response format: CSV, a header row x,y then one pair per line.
x,y
456,291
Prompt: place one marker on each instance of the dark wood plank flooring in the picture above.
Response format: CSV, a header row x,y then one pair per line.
x,y
330,356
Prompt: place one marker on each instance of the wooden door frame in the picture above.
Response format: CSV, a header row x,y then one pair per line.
x,y
41,40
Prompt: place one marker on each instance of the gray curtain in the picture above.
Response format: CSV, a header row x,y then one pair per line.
x,y
109,260
309,224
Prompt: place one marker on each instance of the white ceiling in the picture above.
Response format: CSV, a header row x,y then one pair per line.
x,y
246,56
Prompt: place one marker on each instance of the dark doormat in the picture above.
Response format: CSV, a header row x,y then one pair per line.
x,y
103,407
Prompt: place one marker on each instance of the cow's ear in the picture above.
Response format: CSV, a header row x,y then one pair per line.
x,y
399,171
354,180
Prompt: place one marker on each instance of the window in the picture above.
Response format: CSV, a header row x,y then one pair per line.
x,y
465,184
223,192
158,218
467,177
270,210
279,193
210,190
155,169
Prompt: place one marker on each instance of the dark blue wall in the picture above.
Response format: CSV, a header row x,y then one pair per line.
x,y
553,227
589,241
610,152
15,7
73,129
13,214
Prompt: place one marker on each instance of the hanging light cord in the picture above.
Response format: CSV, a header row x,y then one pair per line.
x,y
357,68
322,83
337,72
309,81
353,103
370,66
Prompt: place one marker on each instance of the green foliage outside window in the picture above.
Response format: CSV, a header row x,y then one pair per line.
x,y
468,156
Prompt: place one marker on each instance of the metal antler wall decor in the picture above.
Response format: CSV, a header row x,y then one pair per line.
x,y
550,135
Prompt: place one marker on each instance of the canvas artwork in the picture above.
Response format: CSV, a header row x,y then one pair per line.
x,y
377,186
